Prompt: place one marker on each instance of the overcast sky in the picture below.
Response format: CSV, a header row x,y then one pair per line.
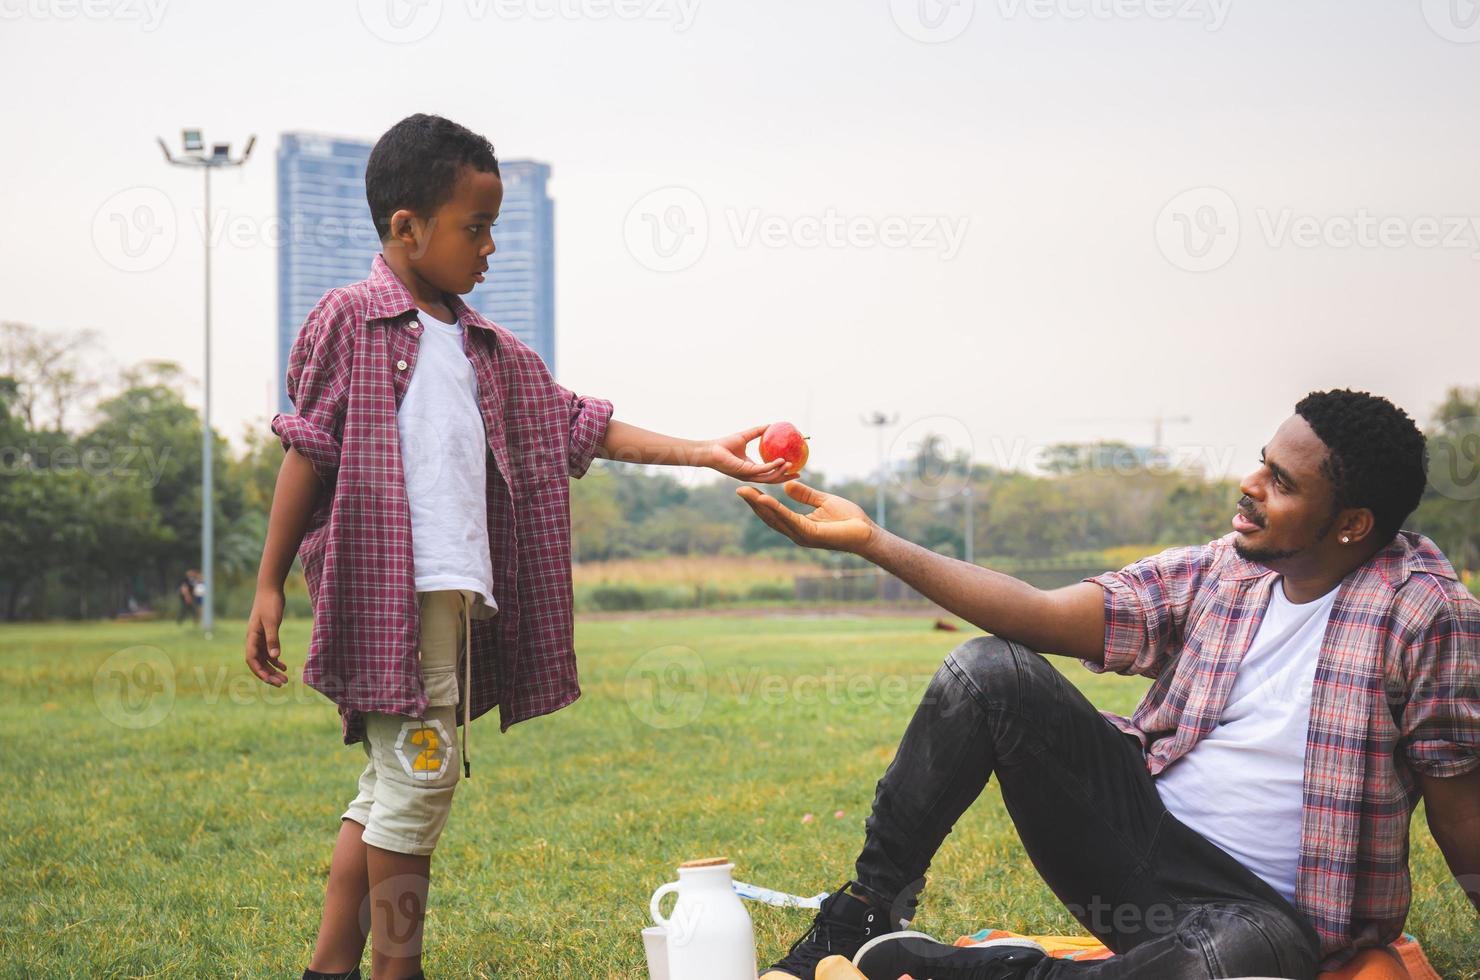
x,y
1009,221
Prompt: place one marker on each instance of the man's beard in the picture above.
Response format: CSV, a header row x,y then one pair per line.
x,y
1264,555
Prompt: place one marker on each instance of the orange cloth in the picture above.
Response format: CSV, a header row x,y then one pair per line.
x,y
832,968
1402,960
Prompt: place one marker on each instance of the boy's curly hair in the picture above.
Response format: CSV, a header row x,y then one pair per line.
x,y
415,164
1377,456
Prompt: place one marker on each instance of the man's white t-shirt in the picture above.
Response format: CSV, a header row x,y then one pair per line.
x,y
1241,785
444,453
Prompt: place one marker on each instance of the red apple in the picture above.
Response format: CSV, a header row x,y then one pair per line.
x,y
781,440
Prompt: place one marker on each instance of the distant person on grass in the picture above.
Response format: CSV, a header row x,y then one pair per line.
x,y
189,607
426,476
1316,673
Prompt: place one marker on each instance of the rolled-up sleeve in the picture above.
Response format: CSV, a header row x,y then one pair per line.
x,y
1441,720
1146,605
589,418
318,385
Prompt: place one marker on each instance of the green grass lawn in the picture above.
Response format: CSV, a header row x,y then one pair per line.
x,y
150,835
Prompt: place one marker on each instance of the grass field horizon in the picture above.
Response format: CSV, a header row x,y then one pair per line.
x,y
169,816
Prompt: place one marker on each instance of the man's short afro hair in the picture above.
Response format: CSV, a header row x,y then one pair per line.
x,y
415,164
1378,457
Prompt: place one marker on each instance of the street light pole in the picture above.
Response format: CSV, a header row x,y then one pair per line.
x,y
195,155
879,422
969,550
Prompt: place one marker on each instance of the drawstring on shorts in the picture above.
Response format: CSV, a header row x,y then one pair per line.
x,y
467,680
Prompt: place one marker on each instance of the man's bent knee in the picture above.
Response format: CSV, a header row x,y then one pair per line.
x,y
999,669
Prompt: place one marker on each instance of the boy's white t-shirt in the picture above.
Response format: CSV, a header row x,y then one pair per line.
x,y
1242,785
444,451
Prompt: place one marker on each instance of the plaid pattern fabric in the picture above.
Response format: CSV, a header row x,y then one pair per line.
x,y
347,374
1395,695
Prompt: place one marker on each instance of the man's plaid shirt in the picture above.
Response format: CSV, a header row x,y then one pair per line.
x,y
1395,695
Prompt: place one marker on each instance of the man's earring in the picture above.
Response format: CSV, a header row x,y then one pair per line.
x,y
1345,539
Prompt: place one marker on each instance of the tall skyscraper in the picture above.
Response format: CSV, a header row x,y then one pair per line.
x,y
519,291
327,236
329,240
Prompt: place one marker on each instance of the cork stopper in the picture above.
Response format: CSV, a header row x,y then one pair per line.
x,y
705,863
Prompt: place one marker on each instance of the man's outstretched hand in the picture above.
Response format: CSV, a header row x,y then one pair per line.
x,y
837,523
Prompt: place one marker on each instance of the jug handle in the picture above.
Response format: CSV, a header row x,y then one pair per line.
x,y
658,917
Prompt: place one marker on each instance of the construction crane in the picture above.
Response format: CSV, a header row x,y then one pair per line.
x,y
1159,421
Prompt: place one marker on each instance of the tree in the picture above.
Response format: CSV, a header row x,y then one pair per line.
x,y
45,523
1450,511
48,370
150,441
683,530
594,516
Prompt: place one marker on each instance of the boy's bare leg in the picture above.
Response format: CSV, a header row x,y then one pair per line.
x,y
398,903
341,941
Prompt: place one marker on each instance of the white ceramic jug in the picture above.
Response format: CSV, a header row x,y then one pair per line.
x,y
709,932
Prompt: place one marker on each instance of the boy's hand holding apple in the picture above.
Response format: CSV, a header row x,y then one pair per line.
x,y
728,456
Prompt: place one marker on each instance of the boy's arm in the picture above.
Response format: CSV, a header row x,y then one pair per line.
x,y
630,444
318,385
293,501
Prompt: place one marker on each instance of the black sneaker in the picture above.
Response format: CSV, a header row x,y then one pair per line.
x,y
886,957
844,924
316,975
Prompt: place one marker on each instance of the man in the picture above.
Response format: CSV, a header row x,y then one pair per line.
x,y
185,589
1315,675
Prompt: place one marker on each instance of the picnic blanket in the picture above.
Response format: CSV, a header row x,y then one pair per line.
x,y
1402,960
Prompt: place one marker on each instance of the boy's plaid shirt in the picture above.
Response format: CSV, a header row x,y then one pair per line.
x,y
347,374
1395,695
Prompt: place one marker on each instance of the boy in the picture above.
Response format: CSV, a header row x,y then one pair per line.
x,y
426,476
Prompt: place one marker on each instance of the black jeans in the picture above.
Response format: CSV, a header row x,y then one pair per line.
x,y
1168,902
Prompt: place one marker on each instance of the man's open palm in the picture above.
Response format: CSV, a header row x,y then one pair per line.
x,y
837,524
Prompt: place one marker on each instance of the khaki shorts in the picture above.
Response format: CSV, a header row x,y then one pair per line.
x,y
414,763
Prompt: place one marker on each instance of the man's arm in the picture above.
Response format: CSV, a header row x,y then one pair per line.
x,y
1440,734
630,444
1452,804
1068,621
293,501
